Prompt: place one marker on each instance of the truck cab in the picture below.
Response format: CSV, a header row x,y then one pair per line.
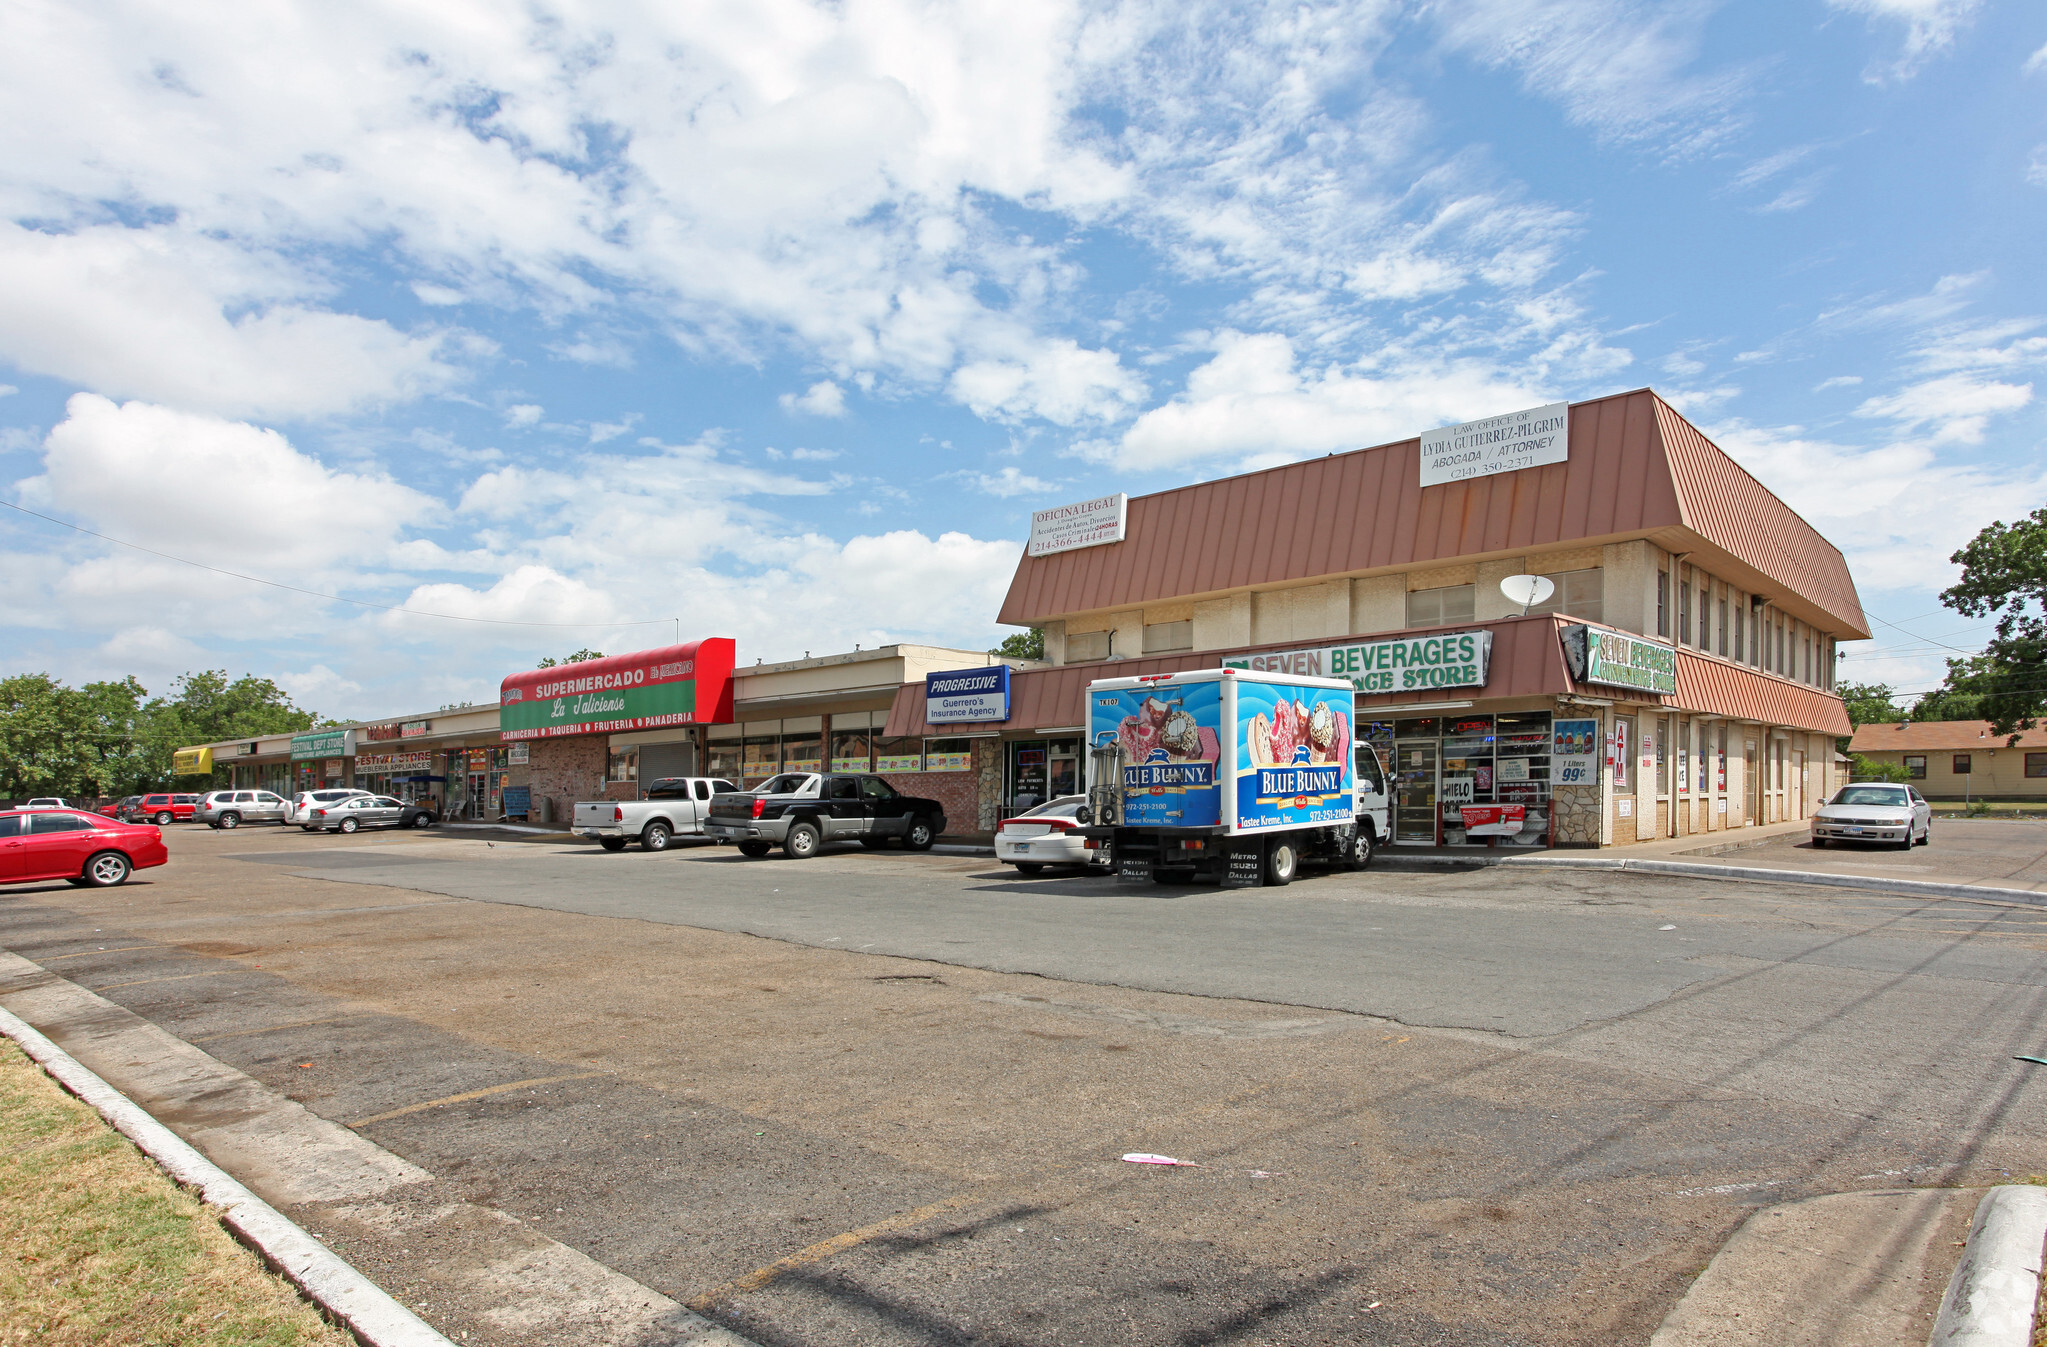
x,y
674,806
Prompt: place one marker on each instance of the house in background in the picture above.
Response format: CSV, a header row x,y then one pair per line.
x,y
1957,759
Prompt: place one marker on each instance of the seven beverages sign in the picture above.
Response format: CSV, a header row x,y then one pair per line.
x,y
1455,660
1497,444
1088,523
1619,660
676,685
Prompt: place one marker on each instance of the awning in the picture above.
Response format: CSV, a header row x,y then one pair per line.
x,y
192,762
421,777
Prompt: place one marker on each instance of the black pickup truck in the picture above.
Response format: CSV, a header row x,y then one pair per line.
x,y
804,810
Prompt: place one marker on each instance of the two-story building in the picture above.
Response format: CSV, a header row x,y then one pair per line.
x,y
1678,678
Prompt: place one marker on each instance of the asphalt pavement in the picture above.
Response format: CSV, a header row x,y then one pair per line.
x,y
879,1097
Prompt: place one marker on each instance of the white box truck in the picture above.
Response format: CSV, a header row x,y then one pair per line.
x,y
1230,774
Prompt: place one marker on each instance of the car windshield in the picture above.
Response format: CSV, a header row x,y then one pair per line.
x,y
791,784
1893,796
1064,807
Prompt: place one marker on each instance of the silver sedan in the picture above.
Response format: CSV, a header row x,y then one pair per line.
x,y
1870,811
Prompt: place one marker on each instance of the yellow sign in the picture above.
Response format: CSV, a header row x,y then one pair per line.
x,y
192,762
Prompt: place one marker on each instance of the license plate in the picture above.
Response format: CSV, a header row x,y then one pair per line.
x,y
1855,830
1021,846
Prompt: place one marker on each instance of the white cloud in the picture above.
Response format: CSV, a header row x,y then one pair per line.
x,y
823,398
2036,166
814,455
1897,511
600,431
1838,381
1957,407
1058,380
524,414
1251,402
1010,481
2035,63
1930,29
8,390
440,296
178,318
217,491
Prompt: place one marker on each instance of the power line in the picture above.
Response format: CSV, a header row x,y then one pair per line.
x,y
335,598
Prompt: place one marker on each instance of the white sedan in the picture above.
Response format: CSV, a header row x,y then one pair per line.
x,y
1870,811
1045,836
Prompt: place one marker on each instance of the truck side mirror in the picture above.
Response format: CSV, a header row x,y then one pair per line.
x,y
1083,816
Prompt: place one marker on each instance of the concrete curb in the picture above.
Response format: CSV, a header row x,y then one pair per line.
x,y
366,1308
1919,888
1990,1299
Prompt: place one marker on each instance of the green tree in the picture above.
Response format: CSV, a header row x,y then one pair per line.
x,y
41,749
1026,644
1869,769
1946,703
2004,574
1869,703
576,658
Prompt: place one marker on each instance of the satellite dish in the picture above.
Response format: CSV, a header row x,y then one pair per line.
x,y
1527,590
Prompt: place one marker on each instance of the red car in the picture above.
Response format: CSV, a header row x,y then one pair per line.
x,y
161,809
85,849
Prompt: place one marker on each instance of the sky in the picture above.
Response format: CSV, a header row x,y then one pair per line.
x,y
610,323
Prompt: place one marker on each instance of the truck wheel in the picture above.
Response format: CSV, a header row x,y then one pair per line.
x,y
1361,848
1029,868
802,842
1281,860
163,819
655,837
753,849
612,843
920,836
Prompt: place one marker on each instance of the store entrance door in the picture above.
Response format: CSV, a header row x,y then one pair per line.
x,y
1415,789
479,791
1751,785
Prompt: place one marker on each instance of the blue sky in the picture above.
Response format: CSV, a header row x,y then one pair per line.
x,y
776,320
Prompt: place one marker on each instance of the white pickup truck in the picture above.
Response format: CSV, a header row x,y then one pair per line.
x,y
674,806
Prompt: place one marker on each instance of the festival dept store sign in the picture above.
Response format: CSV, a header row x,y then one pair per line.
x,y
675,685
1453,660
1619,660
1507,443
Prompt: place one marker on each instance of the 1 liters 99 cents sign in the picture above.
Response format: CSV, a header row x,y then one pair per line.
x,y
1574,759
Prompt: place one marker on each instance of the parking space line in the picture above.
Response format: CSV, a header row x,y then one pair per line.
x,y
273,1028
761,1276
176,977
472,1094
80,954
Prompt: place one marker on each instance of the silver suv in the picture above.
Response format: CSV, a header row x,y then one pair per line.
x,y
233,808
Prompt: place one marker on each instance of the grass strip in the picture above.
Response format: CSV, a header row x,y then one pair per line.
x,y
98,1246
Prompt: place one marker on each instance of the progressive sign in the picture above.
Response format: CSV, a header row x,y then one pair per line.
x,y
1454,660
676,685
959,695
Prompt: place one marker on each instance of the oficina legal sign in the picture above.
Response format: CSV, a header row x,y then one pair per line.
x,y
959,695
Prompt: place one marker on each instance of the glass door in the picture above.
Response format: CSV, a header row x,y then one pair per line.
x,y
1414,809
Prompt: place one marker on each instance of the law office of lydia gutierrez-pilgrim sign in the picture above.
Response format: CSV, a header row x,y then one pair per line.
x,y
1507,443
676,685
1456,659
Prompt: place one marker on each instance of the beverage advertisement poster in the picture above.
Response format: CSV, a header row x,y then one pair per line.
x,y
1574,751
1170,742
1294,764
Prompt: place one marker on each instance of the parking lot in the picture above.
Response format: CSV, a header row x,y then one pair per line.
x,y
881,1097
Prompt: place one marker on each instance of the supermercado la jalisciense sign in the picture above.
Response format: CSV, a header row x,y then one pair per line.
x,y
1618,660
1455,659
676,685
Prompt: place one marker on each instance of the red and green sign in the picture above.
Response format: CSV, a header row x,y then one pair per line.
x,y
675,685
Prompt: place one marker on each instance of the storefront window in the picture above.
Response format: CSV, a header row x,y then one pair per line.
x,y
761,752
1028,783
852,750
898,754
802,752
948,755
622,765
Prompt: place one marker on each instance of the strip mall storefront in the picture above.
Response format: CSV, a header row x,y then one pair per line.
x,y
1531,731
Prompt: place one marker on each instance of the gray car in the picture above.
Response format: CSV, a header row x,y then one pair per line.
x,y
233,808
370,811
1874,811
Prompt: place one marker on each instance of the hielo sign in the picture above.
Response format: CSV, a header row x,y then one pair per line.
x,y
1507,443
960,695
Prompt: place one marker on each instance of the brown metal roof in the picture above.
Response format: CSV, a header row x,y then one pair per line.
x,y
1527,661
1938,736
1635,466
